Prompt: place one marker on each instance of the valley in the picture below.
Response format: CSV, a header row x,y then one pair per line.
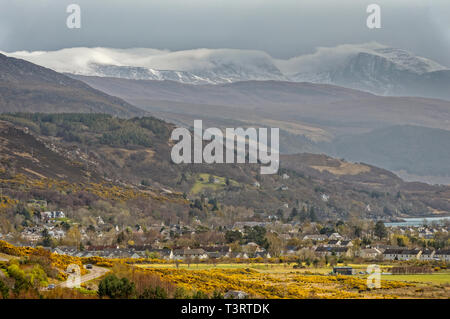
x,y
87,179
339,122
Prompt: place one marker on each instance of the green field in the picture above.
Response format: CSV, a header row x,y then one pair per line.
x,y
437,278
202,182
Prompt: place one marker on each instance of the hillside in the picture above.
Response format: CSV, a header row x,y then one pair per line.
x,y
420,150
96,142
301,103
312,118
26,87
22,153
385,71
135,154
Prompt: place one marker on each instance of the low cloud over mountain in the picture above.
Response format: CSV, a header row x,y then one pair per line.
x,y
370,67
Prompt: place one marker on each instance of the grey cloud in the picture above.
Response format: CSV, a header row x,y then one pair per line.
x,y
282,28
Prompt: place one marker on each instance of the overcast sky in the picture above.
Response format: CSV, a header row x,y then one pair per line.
x,y
282,28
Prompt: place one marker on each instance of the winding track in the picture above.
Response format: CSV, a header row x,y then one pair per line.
x,y
94,273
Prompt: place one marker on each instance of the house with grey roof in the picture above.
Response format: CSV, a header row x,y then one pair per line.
x,y
442,254
401,254
188,253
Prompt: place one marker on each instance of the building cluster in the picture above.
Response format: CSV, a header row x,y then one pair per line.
x,y
425,231
320,245
146,251
52,215
336,245
416,254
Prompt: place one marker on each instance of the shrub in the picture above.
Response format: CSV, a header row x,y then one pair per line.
x,y
4,290
115,288
200,295
154,293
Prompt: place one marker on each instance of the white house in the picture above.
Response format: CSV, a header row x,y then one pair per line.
x,y
369,253
335,236
55,214
188,253
427,254
332,251
315,237
401,254
442,254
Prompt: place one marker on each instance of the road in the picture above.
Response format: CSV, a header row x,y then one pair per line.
x,y
4,257
94,273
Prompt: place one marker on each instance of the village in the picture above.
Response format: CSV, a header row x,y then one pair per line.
x,y
313,242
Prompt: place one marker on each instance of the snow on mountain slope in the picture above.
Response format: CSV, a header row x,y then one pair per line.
x,y
191,66
369,67
408,61
373,68
376,60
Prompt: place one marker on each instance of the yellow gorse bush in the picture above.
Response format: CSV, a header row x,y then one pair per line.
x,y
61,262
102,190
261,285
7,202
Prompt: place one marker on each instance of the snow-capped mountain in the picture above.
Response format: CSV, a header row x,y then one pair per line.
x,y
217,66
201,66
221,73
384,71
142,73
369,67
407,61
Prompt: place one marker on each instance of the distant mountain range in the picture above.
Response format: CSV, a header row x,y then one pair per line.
x,y
407,134
26,87
369,67
397,133
336,109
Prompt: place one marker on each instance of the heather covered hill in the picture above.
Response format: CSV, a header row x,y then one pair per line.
x,y
26,87
135,153
100,142
23,153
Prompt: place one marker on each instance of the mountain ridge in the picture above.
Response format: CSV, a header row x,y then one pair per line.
x,y
27,87
311,117
369,67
